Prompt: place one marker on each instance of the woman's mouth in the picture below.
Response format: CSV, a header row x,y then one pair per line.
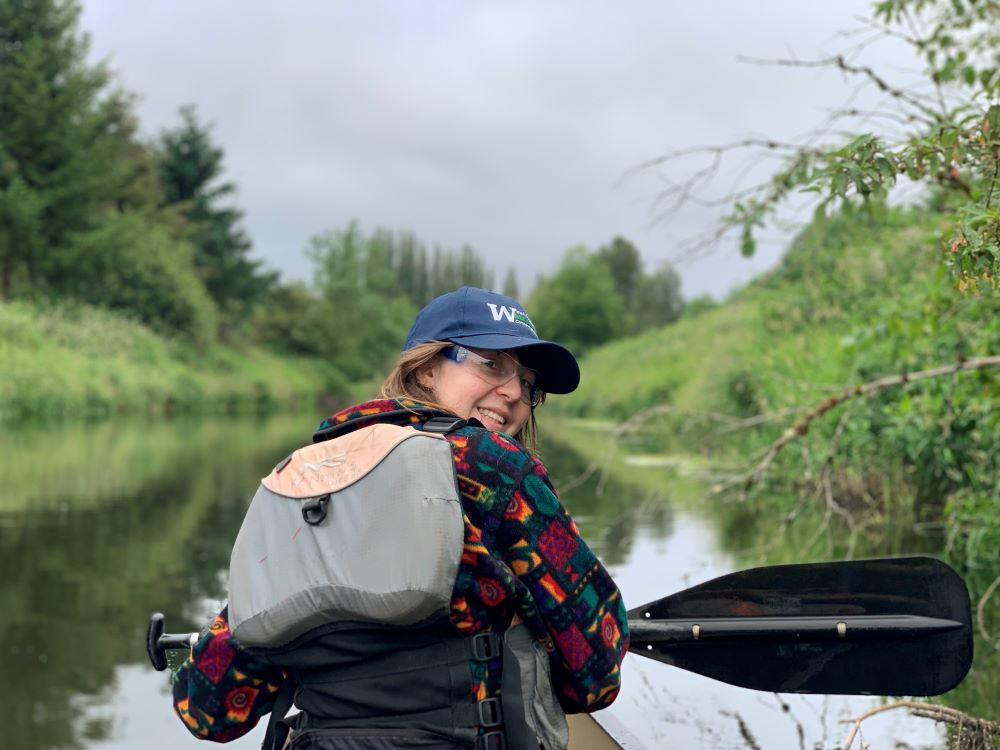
x,y
492,415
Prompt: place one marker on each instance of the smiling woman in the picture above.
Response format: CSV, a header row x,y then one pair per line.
x,y
438,595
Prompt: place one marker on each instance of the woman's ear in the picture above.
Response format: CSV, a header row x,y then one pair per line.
x,y
426,374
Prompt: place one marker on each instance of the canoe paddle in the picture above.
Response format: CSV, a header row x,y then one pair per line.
x,y
894,626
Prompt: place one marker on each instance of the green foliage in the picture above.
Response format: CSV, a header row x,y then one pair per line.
x,y
362,326
596,297
64,139
625,266
699,305
912,469
289,320
510,285
949,140
79,195
72,361
578,305
366,290
657,301
652,300
129,265
190,167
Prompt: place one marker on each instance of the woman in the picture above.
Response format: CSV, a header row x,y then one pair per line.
x,y
523,572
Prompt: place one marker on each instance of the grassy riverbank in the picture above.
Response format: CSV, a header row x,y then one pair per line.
x,y
909,468
858,298
70,361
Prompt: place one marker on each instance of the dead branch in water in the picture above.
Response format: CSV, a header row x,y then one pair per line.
x,y
970,733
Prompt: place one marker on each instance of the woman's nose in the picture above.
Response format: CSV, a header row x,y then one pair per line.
x,y
511,389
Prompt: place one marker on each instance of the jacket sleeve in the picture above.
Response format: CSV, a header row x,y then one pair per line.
x,y
573,600
221,693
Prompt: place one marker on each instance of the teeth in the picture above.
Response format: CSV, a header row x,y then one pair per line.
x,y
492,415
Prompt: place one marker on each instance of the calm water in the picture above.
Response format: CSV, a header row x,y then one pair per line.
x,y
100,525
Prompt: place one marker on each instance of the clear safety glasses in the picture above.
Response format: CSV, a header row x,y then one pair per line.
x,y
496,368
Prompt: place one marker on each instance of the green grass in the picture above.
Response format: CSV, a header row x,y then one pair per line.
x,y
69,361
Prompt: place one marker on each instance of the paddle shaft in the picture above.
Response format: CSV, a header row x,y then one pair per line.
x,y
797,629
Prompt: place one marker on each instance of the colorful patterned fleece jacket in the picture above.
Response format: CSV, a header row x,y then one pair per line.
x,y
522,556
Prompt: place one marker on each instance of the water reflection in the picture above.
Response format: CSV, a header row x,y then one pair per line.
x,y
99,526
102,524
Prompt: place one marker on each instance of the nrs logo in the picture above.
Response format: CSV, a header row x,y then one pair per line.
x,y
512,314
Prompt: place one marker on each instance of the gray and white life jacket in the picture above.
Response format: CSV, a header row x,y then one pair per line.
x,y
343,573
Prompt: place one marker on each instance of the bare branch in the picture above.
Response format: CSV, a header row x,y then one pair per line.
x,y
746,143
983,727
841,63
981,608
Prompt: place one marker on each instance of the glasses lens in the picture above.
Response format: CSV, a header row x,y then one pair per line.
x,y
497,368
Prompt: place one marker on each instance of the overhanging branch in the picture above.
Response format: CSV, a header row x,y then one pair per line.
x,y
802,426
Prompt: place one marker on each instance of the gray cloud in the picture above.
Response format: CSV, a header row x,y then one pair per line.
x,y
507,126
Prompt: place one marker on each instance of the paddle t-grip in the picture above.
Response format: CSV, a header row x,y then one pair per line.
x,y
157,642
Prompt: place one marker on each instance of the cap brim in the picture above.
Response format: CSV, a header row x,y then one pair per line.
x,y
554,363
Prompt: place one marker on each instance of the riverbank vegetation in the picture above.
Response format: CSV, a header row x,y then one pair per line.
x,y
128,284
910,467
848,400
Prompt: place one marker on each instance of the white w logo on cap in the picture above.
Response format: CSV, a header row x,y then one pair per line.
x,y
501,312
512,314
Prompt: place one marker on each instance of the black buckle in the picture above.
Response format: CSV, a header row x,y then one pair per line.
x,y
490,713
491,741
485,646
314,511
443,425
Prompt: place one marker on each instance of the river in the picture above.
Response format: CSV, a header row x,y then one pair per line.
x,y
102,524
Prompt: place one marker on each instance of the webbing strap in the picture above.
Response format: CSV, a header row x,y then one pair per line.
x,y
276,735
519,734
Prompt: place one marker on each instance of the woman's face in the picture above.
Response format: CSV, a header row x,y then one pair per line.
x,y
456,386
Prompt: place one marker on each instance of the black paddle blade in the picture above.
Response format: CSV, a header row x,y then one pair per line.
x,y
790,659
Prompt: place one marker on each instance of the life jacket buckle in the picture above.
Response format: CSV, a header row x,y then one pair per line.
x,y
485,646
490,713
443,425
491,741
314,511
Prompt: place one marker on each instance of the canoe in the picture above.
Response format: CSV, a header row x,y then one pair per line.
x,y
600,731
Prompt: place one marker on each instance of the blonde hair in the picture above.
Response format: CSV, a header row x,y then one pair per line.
x,y
402,383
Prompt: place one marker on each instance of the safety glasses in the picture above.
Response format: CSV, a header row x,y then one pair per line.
x,y
497,368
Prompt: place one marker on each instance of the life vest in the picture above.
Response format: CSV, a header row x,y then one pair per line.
x,y
342,574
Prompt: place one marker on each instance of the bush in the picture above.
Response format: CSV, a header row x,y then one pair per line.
x,y
130,264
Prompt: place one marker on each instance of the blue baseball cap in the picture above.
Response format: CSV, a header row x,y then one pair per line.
x,y
486,320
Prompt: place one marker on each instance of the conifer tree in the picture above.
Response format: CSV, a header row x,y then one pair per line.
x,y
64,136
191,166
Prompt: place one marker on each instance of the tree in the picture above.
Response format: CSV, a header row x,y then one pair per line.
x,y
133,266
510,287
65,139
578,305
191,166
363,324
625,265
945,136
658,299
291,321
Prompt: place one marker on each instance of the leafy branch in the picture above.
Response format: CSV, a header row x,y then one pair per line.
x,y
948,140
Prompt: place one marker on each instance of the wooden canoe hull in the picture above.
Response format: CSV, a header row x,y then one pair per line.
x,y
597,732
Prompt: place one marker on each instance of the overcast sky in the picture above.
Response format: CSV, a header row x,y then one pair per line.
x,y
505,125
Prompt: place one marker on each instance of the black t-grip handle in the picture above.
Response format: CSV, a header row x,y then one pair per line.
x,y
157,642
